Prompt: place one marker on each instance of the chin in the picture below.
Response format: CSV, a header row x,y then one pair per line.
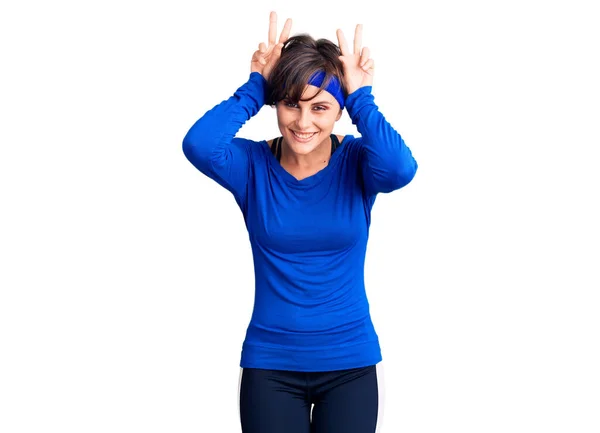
x,y
303,147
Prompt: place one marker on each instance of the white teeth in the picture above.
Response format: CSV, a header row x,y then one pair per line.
x,y
304,136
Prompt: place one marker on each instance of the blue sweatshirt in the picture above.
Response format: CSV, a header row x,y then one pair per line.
x,y
309,236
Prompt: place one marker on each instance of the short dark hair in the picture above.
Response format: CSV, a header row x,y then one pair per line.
x,y
301,57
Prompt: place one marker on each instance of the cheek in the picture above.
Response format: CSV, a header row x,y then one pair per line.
x,y
327,120
284,118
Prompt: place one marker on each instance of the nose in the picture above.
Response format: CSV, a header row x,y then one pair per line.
x,y
304,120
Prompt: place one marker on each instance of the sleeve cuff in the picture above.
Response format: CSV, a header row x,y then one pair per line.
x,y
358,99
259,84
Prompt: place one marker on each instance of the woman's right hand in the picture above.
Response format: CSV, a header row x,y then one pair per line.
x,y
265,58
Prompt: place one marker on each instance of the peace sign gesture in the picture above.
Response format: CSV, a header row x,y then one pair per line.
x,y
358,66
264,59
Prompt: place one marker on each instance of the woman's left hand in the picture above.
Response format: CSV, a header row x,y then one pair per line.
x,y
358,66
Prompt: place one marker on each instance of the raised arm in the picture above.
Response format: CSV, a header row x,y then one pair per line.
x,y
211,144
386,162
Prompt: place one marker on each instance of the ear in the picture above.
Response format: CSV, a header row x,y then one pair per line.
x,y
339,116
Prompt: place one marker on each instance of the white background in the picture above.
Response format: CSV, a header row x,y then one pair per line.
x,y
126,275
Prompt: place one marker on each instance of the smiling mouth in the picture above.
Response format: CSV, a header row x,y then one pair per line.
x,y
304,136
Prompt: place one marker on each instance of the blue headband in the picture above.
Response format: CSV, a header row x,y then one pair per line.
x,y
334,87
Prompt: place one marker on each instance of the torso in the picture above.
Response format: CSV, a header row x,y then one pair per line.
x,y
308,240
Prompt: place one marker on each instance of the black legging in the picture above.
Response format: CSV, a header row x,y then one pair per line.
x,y
273,401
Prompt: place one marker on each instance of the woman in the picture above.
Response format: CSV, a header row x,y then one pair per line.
x,y
310,357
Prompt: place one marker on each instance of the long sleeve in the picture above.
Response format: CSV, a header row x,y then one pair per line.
x,y
386,162
210,144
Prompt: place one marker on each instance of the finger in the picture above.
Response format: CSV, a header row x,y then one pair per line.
x,y
357,38
342,42
364,56
369,66
272,60
259,57
276,54
285,33
262,47
272,28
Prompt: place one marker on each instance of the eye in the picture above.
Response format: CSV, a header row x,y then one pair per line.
x,y
320,108
290,104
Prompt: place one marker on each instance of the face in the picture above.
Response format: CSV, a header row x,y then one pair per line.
x,y
308,124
